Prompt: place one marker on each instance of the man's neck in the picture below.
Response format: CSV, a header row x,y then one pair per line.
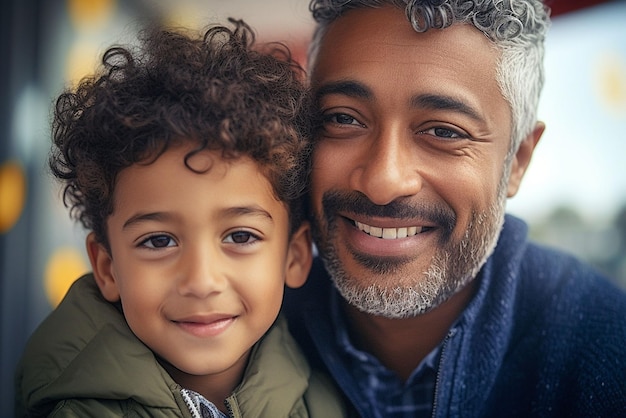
x,y
401,344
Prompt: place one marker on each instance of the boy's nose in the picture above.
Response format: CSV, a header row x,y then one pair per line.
x,y
200,274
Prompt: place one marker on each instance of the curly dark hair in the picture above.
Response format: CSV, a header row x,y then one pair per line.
x,y
214,90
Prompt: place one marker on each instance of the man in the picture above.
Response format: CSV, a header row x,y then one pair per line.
x,y
440,306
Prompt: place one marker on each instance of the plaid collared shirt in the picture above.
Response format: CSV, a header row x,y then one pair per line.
x,y
387,395
199,406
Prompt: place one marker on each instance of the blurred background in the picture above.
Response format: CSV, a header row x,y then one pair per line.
x,y
573,197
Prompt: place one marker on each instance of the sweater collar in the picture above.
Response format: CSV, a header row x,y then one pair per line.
x,y
485,327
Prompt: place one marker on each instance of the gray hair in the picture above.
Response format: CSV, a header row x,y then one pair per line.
x,y
516,27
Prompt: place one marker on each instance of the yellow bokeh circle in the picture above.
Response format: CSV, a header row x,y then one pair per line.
x,y
12,194
183,15
64,266
82,60
90,14
611,80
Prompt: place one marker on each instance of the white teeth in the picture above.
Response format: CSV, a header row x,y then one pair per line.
x,y
389,233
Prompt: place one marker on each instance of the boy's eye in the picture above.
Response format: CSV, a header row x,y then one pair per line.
x,y
158,241
240,237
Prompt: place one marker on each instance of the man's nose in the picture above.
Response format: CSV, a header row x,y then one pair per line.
x,y
388,171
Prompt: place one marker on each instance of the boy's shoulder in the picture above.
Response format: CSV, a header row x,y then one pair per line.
x,y
74,323
69,328
85,349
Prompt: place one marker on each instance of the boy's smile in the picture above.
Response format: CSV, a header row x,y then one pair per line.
x,y
205,325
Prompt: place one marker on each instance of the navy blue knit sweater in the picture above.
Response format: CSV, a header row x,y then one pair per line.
x,y
544,336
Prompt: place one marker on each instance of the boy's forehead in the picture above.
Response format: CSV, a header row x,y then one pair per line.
x,y
185,167
201,160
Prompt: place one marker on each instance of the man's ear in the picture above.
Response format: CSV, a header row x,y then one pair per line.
x,y
102,265
522,157
299,257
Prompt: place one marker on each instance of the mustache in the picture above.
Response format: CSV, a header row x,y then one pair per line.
x,y
334,201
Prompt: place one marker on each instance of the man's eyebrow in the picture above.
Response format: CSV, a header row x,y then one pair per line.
x,y
358,90
441,102
346,87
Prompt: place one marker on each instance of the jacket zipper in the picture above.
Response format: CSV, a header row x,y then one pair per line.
x,y
439,367
189,403
229,407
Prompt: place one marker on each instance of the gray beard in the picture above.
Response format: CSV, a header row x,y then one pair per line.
x,y
454,265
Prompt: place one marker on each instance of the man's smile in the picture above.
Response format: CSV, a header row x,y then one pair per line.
x,y
390,233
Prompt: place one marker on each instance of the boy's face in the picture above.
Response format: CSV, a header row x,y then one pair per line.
x,y
199,261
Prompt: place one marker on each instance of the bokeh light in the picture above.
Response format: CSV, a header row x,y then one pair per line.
x,y
81,61
89,15
611,68
64,266
12,194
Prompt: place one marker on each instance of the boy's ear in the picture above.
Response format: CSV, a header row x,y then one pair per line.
x,y
521,160
102,265
299,257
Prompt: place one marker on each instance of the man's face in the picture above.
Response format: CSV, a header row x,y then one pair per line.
x,y
407,185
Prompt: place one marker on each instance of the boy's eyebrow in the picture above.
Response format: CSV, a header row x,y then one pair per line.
x,y
139,217
248,210
254,210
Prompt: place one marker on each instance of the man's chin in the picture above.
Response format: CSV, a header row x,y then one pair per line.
x,y
391,303
379,267
388,289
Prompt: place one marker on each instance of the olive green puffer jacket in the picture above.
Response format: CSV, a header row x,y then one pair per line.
x,y
84,361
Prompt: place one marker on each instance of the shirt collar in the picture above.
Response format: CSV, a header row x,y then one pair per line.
x,y
347,348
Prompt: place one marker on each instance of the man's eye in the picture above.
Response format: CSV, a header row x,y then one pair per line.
x,y
341,119
444,133
240,237
158,241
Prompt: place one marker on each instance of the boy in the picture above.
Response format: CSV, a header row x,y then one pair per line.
x,y
186,160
